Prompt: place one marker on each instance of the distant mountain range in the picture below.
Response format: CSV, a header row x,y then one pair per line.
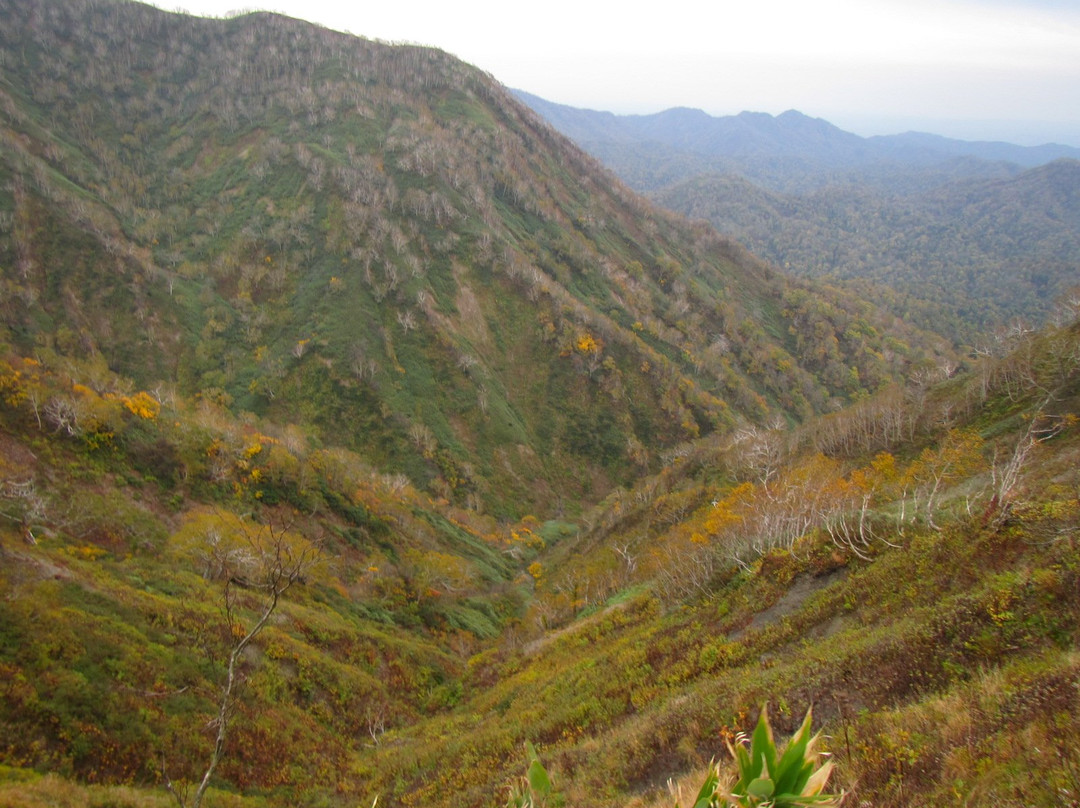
x,y
787,152
966,234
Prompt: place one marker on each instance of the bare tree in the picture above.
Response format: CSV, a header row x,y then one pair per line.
x,y
265,560
1042,427
630,560
23,504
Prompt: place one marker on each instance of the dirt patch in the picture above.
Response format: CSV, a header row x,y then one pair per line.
x,y
26,567
16,461
540,643
471,317
802,588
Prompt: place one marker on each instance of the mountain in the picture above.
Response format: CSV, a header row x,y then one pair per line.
x,y
361,439
380,245
962,235
788,152
921,145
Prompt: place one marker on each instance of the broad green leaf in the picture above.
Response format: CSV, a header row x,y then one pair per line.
x,y
761,788
742,759
792,764
539,782
708,789
704,802
762,746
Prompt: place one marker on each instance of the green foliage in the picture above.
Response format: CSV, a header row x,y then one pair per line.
x,y
534,790
769,776
401,335
958,246
416,662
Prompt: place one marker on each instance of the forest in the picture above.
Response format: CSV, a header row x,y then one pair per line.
x,y
364,441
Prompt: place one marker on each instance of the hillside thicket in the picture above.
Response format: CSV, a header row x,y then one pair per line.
x,y
908,565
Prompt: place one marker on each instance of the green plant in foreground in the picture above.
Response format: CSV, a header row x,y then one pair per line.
x,y
534,788
768,778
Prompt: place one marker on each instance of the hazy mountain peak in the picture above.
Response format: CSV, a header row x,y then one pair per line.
x,y
813,150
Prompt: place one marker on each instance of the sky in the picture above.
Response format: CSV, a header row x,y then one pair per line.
x,y
974,69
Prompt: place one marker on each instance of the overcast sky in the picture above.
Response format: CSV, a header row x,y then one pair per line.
x,y
974,69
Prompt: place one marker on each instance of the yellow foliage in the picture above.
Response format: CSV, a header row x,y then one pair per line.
x,y
225,545
588,344
143,405
12,390
730,510
885,465
88,552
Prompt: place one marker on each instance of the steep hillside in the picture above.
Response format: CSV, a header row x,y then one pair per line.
x,y
356,429
140,540
908,566
380,244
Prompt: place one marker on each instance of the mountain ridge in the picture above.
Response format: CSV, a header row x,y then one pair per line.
x,y
976,232
814,140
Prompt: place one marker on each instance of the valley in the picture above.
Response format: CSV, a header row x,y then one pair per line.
x,y
361,433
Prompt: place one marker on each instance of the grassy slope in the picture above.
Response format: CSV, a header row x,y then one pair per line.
x,y
943,663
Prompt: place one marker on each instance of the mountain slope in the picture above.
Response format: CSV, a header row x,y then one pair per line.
x,y
907,565
327,267
380,244
989,250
